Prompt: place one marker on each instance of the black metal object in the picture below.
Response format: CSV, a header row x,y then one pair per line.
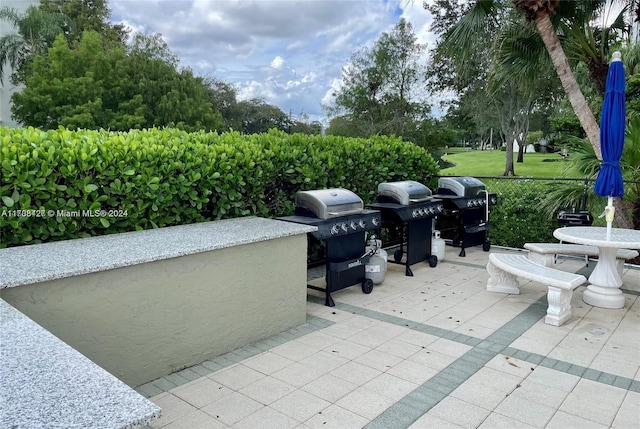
x,y
465,222
415,225
580,216
345,241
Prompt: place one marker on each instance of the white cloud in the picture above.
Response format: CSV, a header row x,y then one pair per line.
x,y
290,53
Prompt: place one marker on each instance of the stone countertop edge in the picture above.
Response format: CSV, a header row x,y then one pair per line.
x,y
47,384
35,263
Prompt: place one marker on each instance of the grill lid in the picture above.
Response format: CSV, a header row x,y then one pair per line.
x,y
460,186
405,192
328,203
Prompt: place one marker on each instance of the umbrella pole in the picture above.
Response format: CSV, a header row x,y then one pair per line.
x,y
610,210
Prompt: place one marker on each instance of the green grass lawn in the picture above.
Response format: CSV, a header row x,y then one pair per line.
x,y
492,163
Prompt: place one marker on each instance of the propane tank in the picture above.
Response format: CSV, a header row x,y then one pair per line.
x,y
437,246
376,268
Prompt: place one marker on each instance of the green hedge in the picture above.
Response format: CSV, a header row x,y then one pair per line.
x,y
55,184
520,217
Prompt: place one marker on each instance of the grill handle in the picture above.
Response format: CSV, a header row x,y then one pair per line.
x,y
346,212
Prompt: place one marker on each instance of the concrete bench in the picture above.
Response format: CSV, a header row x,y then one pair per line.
x,y
503,269
47,384
544,253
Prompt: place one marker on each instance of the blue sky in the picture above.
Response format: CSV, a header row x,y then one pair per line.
x,y
290,53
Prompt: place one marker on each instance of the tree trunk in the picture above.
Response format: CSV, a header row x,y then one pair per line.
x,y
521,148
620,216
568,80
509,170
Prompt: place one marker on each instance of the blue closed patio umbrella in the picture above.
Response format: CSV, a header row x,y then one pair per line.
x,y
612,123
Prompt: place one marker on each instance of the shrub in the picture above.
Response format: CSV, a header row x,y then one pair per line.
x,y
519,216
56,183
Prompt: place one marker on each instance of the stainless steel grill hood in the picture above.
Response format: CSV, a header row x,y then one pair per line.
x,y
329,203
405,192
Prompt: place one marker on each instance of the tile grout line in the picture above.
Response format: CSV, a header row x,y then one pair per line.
x,y
414,405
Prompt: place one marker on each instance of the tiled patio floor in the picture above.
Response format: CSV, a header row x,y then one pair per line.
x,y
435,350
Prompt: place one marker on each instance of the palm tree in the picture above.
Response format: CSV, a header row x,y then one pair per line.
x,y
35,32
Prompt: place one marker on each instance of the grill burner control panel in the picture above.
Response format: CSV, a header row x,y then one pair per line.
x,y
335,227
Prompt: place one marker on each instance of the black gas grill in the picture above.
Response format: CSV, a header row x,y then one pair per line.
x,y
342,221
466,216
407,211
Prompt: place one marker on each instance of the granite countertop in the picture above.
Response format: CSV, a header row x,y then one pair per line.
x,y
50,261
47,384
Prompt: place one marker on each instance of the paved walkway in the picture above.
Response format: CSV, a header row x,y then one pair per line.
x,y
430,351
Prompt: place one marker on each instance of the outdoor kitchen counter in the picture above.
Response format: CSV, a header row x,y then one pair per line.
x,y
144,304
35,263
47,384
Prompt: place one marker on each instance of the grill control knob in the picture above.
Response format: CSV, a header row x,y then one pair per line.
x,y
415,213
334,230
362,223
440,208
375,221
469,203
344,227
353,225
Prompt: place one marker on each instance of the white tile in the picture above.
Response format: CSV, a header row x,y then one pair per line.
x,y
552,378
460,412
329,387
629,413
294,350
540,393
318,340
498,421
324,361
432,359
365,402
355,373
267,390
347,349
196,420
431,421
297,374
562,420
594,401
378,360
525,411
232,408
412,371
335,417
481,395
399,348
511,365
448,347
300,405
202,392
266,418
173,408
237,376
393,387
267,363
417,338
